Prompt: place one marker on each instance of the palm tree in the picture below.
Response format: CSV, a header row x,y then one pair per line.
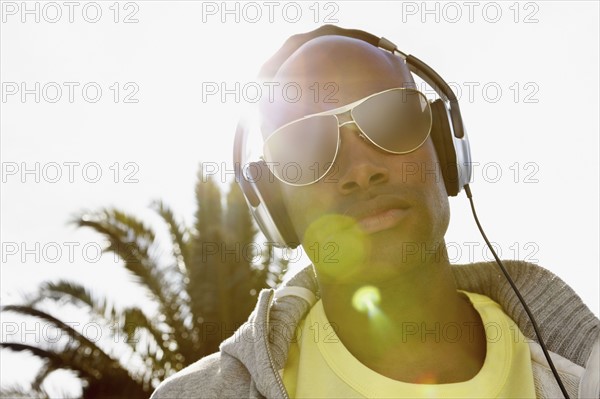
x,y
206,290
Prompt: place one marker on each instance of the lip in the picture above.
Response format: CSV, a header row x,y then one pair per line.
x,y
382,221
380,213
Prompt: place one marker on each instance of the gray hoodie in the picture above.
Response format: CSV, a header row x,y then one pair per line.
x,y
250,362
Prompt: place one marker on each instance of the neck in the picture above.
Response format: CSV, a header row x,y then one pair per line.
x,y
403,316
417,293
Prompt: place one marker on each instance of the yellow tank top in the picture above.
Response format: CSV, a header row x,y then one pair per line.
x,y
319,366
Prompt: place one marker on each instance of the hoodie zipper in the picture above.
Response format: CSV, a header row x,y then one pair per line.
x,y
267,345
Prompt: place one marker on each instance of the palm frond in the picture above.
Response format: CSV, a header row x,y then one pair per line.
x,y
73,293
77,338
209,211
179,235
66,359
101,380
135,253
17,392
238,220
46,370
130,240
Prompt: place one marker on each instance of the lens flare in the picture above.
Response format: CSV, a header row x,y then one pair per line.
x,y
336,245
366,300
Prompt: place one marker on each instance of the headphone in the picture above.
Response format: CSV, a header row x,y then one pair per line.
x,y
261,188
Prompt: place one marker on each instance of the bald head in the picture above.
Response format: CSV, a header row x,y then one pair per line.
x,y
328,72
344,60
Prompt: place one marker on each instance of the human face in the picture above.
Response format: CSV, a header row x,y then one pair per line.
x,y
375,213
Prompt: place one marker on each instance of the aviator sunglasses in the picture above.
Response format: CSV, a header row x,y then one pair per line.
x,y
301,152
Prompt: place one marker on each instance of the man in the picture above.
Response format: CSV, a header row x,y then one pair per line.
x,y
383,313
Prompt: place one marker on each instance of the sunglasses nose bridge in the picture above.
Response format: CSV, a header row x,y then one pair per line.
x,y
344,118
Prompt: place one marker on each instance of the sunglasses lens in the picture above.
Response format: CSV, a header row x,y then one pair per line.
x,y
302,152
399,121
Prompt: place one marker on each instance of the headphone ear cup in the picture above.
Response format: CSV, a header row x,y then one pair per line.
x,y
271,213
441,134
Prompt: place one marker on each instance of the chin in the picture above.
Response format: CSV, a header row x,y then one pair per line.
x,y
387,255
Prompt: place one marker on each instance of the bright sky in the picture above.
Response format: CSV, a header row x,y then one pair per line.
x,y
526,74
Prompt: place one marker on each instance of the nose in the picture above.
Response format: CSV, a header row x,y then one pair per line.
x,y
359,162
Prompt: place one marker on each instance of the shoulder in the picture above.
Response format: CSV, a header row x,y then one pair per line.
x,y
534,281
569,327
210,377
488,272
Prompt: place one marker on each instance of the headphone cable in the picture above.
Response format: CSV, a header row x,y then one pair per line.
x,y
514,287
